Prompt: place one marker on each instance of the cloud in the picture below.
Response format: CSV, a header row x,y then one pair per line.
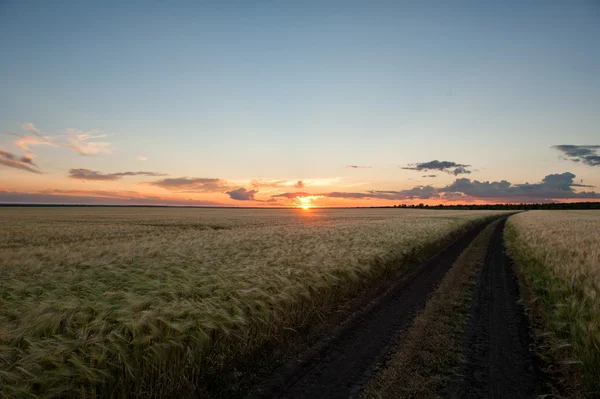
x,y
82,143
24,162
429,175
85,143
460,170
96,197
87,174
422,192
587,154
553,186
277,183
358,166
274,183
140,158
291,195
449,167
192,184
241,194
25,142
416,192
30,127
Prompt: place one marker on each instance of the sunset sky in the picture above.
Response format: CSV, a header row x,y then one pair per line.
x,y
284,103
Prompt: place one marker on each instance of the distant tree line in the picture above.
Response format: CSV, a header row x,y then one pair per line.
x,y
525,207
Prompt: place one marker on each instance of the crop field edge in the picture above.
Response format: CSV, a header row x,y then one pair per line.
x,y
564,374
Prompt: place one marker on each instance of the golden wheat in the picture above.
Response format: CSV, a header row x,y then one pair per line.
x,y
112,302
559,255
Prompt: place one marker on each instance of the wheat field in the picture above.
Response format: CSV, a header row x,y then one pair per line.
x,y
148,302
559,255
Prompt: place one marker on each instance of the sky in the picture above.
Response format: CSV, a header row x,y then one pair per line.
x,y
312,103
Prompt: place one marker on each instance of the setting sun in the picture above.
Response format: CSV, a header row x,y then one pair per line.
x,y
305,202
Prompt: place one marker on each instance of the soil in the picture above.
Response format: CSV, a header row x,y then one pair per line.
x,y
498,359
341,365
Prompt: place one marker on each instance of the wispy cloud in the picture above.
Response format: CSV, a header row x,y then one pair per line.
x,y
97,197
192,184
449,167
31,128
587,154
24,162
429,175
85,143
358,166
292,195
25,142
141,158
276,183
418,192
87,174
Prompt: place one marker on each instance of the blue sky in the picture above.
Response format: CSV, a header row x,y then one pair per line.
x,y
299,90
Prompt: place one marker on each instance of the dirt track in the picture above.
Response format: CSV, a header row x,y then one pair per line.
x,y
498,360
499,363
342,365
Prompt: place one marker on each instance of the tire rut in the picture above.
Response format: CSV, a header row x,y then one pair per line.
x,y
499,363
340,366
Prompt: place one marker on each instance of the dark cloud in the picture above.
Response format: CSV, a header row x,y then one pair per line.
x,y
554,186
299,184
24,162
241,194
460,170
95,197
429,175
449,167
358,166
291,195
416,192
337,194
192,184
87,174
422,192
587,154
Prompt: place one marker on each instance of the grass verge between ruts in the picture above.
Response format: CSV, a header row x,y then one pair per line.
x,y
429,353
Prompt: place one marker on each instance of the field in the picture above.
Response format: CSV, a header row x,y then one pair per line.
x,y
559,257
105,302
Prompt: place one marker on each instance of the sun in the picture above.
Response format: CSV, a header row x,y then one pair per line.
x,y
305,202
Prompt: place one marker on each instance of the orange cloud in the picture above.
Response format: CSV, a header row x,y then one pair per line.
x,y
191,184
79,141
98,197
87,174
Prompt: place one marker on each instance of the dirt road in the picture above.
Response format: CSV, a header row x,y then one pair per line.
x,y
341,366
498,361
